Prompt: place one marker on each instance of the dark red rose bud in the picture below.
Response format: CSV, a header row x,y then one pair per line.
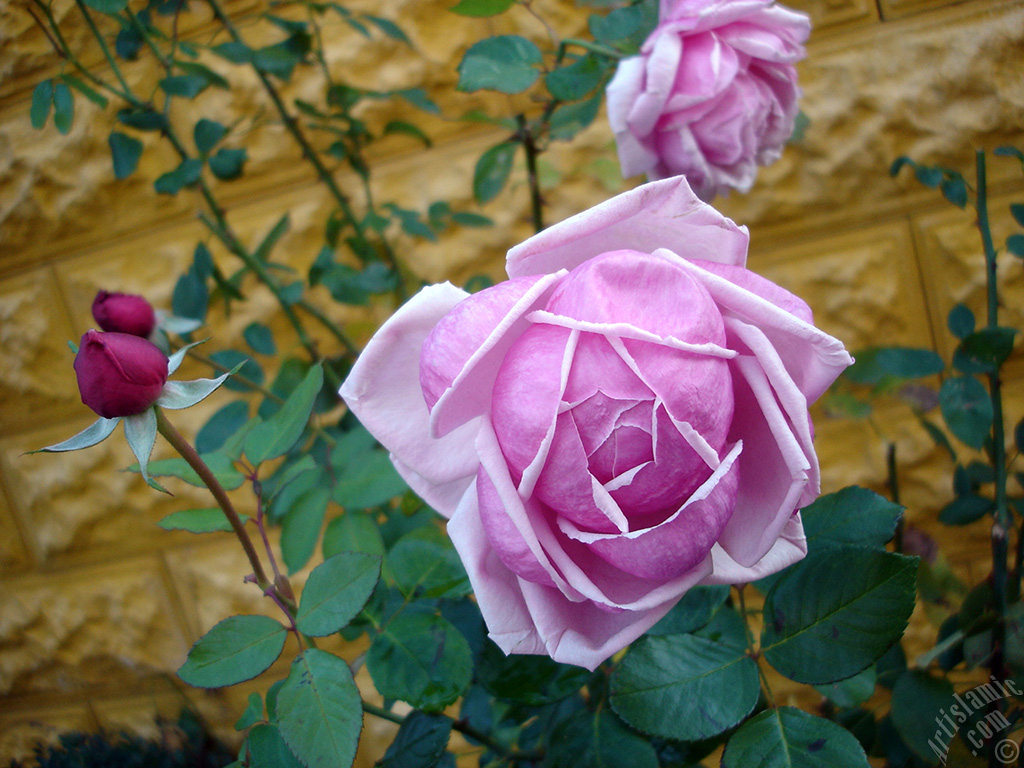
x,y
119,374
124,313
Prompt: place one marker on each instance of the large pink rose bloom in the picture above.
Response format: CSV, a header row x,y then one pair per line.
x,y
711,95
623,419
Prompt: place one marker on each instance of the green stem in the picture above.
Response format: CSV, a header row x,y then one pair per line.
x,y
463,728
60,45
603,50
751,650
103,44
536,200
1001,524
218,226
292,125
894,492
194,460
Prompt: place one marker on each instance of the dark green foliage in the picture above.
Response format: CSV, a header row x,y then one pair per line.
x,y
186,744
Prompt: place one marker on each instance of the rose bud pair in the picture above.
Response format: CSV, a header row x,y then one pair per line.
x,y
124,313
119,374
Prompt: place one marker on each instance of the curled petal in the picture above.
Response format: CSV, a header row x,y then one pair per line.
x,y
461,355
383,390
813,358
662,214
681,542
775,478
789,548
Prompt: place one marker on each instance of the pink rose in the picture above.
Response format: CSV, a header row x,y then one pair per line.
x,y
124,313
712,93
623,419
119,374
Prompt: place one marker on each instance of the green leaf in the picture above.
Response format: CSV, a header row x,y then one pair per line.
x,y
260,339
967,409
419,743
187,86
336,592
207,133
617,26
142,119
692,612
400,126
42,100
852,691
352,532
319,710
505,63
227,164
851,517
570,119
281,58
598,740
63,107
125,151
492,171
300,528
960,321
574,81
195,69
1015,245
275,436
532,681
684,687
422,659
876,364
419,99
966,509
1017,211
267,749
368,483
235,52
186,173
253,713
91,94
197,520
389,28
837,612
954,190
276,232
237,649
918,703
222,425
191,299
425,563
481,8
791,738
128,43
110,7
984,351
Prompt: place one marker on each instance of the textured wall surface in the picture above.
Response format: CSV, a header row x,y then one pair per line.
x,y
98,605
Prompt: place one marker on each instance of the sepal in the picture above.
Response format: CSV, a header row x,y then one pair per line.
x,y
92,435
140,431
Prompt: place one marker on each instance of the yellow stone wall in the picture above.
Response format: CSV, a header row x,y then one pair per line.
x,y
98,606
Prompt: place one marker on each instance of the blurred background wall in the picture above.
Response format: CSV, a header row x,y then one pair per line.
x,y
98,605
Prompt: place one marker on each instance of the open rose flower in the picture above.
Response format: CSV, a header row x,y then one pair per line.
x,y
124,313
623,419
711,95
